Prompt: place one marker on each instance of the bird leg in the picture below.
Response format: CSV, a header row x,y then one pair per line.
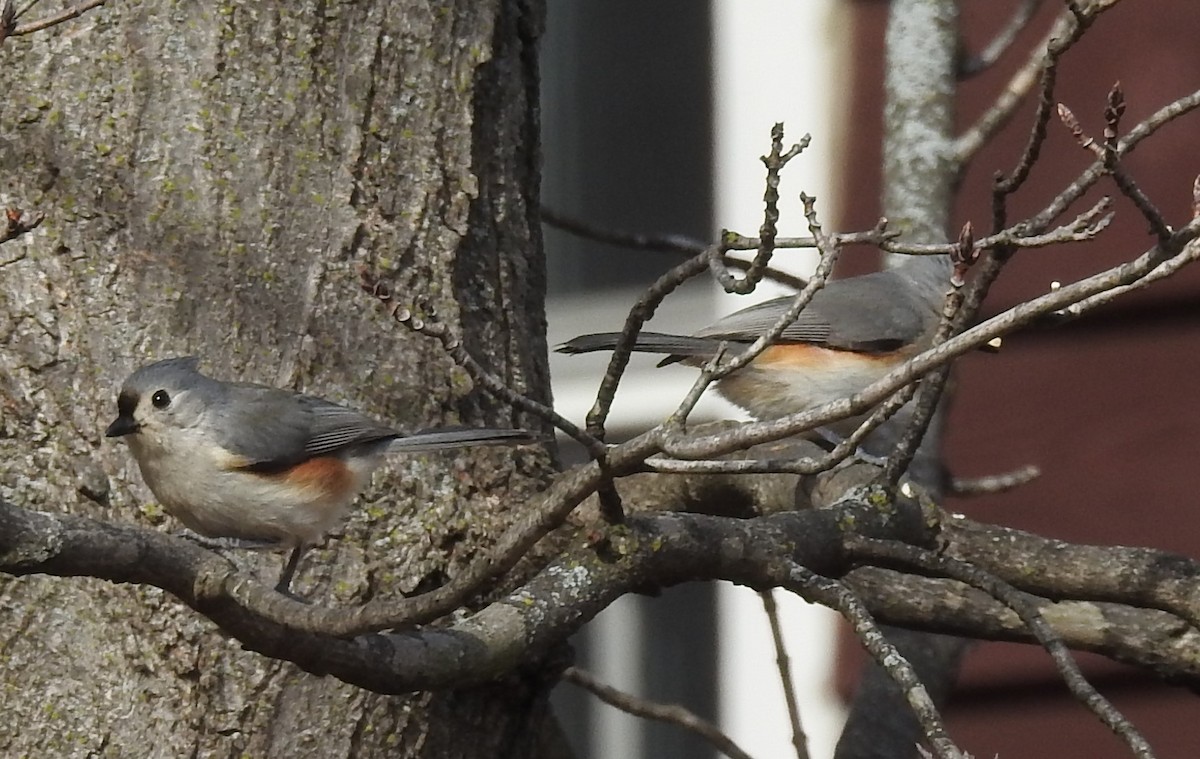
x,y
289,570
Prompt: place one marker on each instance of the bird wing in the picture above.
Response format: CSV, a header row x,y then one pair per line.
x,y
874,312
272,429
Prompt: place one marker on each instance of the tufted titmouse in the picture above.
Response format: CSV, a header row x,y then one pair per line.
x,y
237,460
853,332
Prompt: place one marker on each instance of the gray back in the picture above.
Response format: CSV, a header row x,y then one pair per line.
x,y
876,312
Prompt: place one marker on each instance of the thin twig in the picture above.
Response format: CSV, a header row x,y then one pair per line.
x,y
1097,171
28,7
1078,22
829,254
784,665
681,244
1075,310
641,313
634,321
1086,226
426,324
803,465
709,372
994,483
637,241
716,369
879,237
930,394
452,342
774,162
1004,186
671,714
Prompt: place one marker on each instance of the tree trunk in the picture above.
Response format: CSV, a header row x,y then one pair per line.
x,y
214,176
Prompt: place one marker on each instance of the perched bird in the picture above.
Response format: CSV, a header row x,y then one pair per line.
x,y
852,333
250,462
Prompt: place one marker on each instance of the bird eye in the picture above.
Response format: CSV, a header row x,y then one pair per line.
x,y
160,399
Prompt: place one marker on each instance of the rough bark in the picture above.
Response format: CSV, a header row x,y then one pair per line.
x,y
213,177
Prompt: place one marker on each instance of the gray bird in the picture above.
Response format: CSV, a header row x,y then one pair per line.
x,y
852,333
256,463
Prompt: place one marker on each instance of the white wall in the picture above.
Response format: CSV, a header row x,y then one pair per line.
x,y
777,60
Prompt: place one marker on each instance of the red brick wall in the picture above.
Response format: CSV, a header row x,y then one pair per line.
x,y
1108,407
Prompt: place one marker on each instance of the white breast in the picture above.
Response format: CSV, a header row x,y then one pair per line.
x,y
771,389
200,485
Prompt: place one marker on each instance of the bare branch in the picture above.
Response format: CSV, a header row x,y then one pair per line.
x,y
650,300
731,240
972,65
657,243
1080,19
27,7
774,162
1056,569
75,11
1162,271
671,714
791,465
717,368
427,324
1005,104
658,550
995,483
1097,170
784,665
930,393
634,321
1153,641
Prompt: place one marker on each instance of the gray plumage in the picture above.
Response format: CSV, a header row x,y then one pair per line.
x,y
874,313
273,429
237,460
869,314
864,326
276,429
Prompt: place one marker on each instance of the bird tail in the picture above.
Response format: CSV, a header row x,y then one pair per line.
x,y
461,437
647,342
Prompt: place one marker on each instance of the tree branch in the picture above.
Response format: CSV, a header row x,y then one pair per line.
x,y
1148,595
19,30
